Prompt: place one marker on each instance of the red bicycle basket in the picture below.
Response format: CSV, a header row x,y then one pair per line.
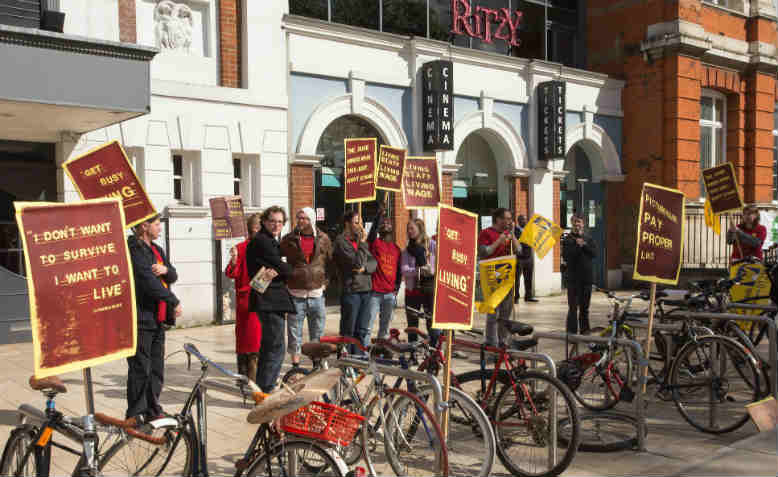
x,y
322,421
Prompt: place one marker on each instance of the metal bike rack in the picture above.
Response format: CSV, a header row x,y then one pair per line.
x,y
642,364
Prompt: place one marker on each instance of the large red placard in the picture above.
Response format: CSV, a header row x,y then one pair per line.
x,y
82,293
421,183
360,169
106,172
455,269
391,163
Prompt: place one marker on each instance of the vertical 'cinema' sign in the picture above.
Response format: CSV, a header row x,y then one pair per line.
x,y
438,105
551,120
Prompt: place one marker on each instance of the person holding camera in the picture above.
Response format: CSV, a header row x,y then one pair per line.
x,y
157,309
578,251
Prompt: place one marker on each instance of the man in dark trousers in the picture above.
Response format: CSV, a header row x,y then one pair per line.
x,y
271,307
524,264
578,251
387,277
157,309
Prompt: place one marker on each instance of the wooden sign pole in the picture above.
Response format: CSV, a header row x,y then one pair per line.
x,y
447,384
651,311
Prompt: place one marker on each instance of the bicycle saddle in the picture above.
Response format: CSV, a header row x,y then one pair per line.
x,y
315,350
397,347
517,327
524,344
52,382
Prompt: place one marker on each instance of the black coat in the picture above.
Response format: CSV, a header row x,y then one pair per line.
x,y
524,254
265,251
578,259
348,259
148,288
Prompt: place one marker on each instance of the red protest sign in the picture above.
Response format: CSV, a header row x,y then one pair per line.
x,y
391,162
721,188
660,235
360,169
227,217
106,172
82,294
421,183
455,269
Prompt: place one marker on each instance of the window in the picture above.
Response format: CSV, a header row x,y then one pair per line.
x,y
713,107
738,5
178,172
236,177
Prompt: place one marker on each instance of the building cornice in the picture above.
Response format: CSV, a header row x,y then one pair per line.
x,y
306,159
187,211
76,44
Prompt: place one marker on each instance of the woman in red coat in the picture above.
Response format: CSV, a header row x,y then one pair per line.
x,y
248,331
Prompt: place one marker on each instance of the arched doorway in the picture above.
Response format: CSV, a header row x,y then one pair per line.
x,y
477,186
583,192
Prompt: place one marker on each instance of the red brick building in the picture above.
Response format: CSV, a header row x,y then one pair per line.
x,y
700,89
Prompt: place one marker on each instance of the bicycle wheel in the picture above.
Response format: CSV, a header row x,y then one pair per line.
x,y
606,432
522,418
123,455
469,434
476,385
299,458
711,381
601,387
294,375
14,461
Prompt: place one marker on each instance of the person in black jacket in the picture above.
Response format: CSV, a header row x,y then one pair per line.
x,y
578,251
524,264
157,308
271,307
356,265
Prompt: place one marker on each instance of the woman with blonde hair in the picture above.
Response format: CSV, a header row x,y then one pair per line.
x,y
417,265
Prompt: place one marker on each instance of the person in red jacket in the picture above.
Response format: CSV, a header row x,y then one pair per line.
x,y
248,331
748,236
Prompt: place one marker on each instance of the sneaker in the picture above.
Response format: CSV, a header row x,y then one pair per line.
x,y
531,300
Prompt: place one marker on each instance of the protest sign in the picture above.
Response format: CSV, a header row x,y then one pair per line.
x,y
660,235
391,162
106,172
421,183
455,269
82,293
497,276
227,217
541,234
360,169
721,188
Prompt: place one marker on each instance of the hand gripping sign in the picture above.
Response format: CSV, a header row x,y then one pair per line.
x,y
106,172
82,294
541,234
360,169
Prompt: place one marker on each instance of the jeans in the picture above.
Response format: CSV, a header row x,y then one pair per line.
x,y
313,308
146,373
579,295
381,305
414,304
503,311
271,351
355,318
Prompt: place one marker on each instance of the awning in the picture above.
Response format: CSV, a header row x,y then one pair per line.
x,y
459,189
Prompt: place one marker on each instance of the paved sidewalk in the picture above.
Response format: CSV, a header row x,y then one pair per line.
x,y
673,446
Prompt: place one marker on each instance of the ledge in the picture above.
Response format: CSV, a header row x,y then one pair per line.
x,y
312,160
187,211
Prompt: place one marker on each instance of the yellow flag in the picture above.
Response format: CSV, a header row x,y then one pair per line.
x,y
497,277
541,234
754,288
711,219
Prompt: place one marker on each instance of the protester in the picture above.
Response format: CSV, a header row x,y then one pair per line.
x,y
157,308
748,236
497,241
578,251
387,277
524,264
418,269
271,306
356,265
248,331
308,251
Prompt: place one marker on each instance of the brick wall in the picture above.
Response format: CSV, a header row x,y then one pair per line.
x,y
230,43
447,194
128,31
300,187
400,216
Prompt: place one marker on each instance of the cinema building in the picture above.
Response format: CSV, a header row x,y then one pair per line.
x,y
255,98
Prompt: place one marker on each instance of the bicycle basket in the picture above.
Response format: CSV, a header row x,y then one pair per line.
x,y
324,422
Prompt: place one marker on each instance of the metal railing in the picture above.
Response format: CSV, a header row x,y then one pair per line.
x,y
702,248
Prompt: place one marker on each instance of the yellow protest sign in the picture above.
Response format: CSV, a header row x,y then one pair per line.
x,y
541,234
497,279
754,288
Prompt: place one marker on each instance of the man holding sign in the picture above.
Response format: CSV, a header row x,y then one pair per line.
x,y
578,251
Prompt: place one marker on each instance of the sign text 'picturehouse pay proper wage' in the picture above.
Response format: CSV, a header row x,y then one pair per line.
x,y
660,235
721,188
82,295
360,169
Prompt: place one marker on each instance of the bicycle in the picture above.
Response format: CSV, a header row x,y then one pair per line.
x,y
108,445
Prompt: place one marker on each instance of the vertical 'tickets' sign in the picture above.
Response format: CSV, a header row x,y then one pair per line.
x,y
438,105
360,169
660,235
551,120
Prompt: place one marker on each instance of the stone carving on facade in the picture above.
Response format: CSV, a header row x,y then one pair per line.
x,y
173,24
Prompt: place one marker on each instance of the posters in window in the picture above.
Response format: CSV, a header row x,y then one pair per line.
x,y
106,172
82,293
660,235
421,183
721,188
227,217
391,162
360,169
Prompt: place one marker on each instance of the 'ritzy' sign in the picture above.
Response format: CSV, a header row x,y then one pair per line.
x,y
551,123
438,105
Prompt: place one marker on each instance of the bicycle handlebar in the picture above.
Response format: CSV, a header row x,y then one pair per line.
x,y
192,350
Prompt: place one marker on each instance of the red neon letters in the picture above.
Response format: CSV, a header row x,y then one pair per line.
x,y
478,24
